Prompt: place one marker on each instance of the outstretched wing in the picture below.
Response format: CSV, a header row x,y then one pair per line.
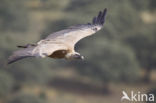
x,y
20,54
73,34
43,49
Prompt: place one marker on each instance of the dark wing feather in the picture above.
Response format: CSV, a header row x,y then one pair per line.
x,y
100,19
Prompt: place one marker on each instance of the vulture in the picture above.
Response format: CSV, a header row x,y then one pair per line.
x,y
61,44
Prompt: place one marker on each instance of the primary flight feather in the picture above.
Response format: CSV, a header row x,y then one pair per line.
x,y
60,44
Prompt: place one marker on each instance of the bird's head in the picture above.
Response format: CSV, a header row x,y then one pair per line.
x,y
74,56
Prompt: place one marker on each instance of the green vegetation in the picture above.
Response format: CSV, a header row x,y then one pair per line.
x,y
26,98
13,15
6,83
122,53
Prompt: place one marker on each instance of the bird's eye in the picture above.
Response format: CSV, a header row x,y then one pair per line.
x,y
95,29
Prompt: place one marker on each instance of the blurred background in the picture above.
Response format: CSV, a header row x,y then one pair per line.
x,y
122,56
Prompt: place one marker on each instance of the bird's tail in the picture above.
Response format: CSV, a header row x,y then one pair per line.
x,y
20,54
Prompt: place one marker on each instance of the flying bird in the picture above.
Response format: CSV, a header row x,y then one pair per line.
x,y
60,44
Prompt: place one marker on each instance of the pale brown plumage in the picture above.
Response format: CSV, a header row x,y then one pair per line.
x,y
60,44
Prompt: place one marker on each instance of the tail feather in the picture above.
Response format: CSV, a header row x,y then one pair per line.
x,y
20,54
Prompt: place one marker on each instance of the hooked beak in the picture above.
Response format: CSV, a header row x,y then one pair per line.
x,y
76,56
82,57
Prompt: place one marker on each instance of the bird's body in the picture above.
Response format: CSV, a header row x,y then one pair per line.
x,y
60,44
59,54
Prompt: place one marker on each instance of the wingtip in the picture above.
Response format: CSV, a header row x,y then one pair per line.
x,y
105,10
100,19
10,60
